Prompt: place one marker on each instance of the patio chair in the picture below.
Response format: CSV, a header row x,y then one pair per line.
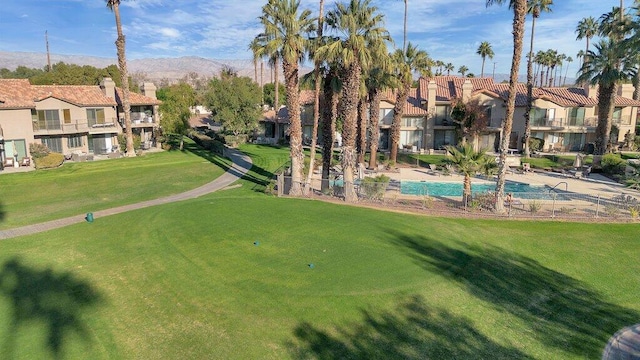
x,y
25,161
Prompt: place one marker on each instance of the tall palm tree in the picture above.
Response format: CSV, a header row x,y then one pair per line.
x,y
469,162
519,8
534,7
404,38
408,62
331,87
114,5
316,97
569,60
257,49
285,27
485,51
449,67
377,80
463,70
606,67
586,29
360,39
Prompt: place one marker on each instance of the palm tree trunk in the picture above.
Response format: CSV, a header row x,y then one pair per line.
x,y
466,194
482,72
374,115
329,116
295,126
636,87
124,77
519,13
362,129
527,111
276,90
404,39
603,130
316,108
398,110
349,114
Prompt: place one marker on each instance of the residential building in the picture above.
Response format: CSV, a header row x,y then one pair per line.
x,y
71,118
565,118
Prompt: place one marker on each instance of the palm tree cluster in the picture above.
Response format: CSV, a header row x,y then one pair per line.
x,y
612,61
549,68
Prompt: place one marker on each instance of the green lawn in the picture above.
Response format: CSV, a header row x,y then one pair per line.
x,y
77,188
227,276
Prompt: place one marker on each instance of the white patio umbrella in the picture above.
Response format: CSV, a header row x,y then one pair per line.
x,y
577,163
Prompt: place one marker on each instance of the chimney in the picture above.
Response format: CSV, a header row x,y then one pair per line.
x,y
108,87
467,89
625,91
432,88
591,90
148,90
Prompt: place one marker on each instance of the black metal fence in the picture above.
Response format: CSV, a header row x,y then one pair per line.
x,y
544,203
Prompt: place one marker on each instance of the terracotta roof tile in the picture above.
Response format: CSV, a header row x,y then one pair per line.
x,y
80,95
16,94
136,99
413,106
307,97
622,101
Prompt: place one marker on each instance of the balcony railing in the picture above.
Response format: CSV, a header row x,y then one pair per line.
x,y
622,120
74,127
441,121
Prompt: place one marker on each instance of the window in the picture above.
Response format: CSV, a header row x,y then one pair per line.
x,y
47,120
413,122
53,143
66,113
74,141
95,116
576,116
443,115
386,116
411,138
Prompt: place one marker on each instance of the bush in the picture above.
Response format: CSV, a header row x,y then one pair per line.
x,y
122,141
38,150
52,160
374,188
208,143
536,144
234,141
613,164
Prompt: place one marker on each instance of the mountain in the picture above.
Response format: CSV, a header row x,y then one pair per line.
x,y
153,69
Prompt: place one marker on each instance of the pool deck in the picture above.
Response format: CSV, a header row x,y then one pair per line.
x,y
594,184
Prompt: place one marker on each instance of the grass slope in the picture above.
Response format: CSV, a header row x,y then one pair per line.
x,y
185,280
77,188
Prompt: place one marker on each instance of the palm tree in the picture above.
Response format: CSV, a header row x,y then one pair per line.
x,y
534,7
485,51
519,8
331,87
469,162
360,39
316,103
449,67
463,70
257,49
114,5
404,38
566,71
586,29
284,27
378,79
606,67
408,62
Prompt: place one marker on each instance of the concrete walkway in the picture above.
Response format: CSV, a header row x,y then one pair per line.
x,y
241,165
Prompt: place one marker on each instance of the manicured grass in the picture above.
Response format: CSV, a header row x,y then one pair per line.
x,y
227,276
185,280
76,188
556,161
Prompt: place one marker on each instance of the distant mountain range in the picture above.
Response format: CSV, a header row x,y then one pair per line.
x,y
159,69
153,69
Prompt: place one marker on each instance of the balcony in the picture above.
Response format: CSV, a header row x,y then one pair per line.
x,y
54,127
443,121
622,120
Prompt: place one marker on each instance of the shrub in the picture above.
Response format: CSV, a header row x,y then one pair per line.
x,y
536,144
534,206
374,188
613,164
38,150
208,143
122,141
52,160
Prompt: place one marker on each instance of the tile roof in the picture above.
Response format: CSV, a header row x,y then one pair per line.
x,y
136,99
621,101
561,96
450,87
16,94
80,95
307,97
413,106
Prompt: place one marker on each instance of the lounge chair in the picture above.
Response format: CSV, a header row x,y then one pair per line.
x,y
25,161
433,169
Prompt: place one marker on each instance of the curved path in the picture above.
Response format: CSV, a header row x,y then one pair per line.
x,y
241,165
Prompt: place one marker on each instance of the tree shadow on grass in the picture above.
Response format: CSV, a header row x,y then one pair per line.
x,y
256,174
53,301
3,214
561,312
412,331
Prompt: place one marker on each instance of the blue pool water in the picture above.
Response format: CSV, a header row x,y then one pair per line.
x,y
519,190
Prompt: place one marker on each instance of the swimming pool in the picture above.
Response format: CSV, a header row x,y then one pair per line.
x,y
519,190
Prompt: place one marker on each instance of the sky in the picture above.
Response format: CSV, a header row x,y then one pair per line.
x,y
448,30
